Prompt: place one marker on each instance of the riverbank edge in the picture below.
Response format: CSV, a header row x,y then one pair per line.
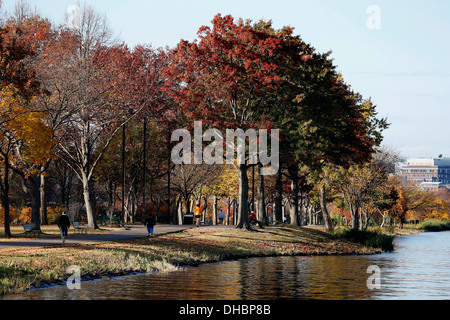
x,y
357,249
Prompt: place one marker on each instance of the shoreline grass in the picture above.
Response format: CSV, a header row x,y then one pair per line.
x,y
435,226
368,238
25,268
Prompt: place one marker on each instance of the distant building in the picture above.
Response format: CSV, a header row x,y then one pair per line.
x,y
430,173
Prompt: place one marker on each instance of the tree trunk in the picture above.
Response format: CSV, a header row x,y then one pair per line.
x,y
5,198
157,207
180,211
43,196
110,192
274,209
65,182
243,220
355,217
323,205
190,205
384,220
214,211
134,207
301,213
262,213
228,211
34,192
365,219
278,198
235,211
294,206
295,219
293,212
310,215
92,223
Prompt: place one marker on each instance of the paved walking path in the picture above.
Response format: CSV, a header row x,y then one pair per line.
x,y
114,235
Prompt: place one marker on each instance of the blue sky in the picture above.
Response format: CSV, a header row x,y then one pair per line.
x,y
404,66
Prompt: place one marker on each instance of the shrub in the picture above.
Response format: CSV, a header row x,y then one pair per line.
x,y
13,215
435,225
25,215
54,212
373,239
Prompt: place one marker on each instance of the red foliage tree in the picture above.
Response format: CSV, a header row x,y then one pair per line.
x,y
222,80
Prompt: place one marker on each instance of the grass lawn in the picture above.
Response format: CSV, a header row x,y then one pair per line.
x,y
22,268
49,231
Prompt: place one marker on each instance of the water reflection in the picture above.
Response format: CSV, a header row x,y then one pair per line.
x,y
418,269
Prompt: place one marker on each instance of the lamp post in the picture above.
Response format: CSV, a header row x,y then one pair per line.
x,y
144,169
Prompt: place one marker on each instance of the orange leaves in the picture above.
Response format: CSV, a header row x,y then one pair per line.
x,y
25,215
26,130
19,41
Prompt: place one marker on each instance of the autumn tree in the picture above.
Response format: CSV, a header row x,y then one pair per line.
x,y
366,187
21,124
224,184
109,170
440,210
223,79
359,185
99,86
28,146
414,201
350,141
5,150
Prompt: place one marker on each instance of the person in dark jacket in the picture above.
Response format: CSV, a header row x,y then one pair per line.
x,y
150,223
64,225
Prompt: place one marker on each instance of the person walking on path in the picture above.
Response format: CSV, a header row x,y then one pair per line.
x,y
221,216
150,224
64,225
198,214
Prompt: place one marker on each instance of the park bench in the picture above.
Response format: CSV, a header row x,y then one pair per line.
x,y
102,219
29,231
116,220
77,228
105,219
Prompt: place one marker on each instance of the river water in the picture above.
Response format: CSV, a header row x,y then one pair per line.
x,y
419,268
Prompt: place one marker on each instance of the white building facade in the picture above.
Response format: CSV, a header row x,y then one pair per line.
x,y
430,173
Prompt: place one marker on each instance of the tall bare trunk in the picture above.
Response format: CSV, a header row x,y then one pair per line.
x,y
323,205
228,211
235,211
214,211
5,198
34,192
355,217
294,203
43,195
278,198
243,217
262,213
293,173
92,223
180,211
